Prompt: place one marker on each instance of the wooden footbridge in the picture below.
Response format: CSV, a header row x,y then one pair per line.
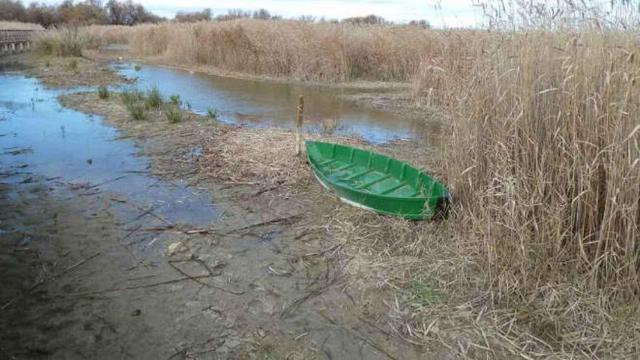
x,y
12,41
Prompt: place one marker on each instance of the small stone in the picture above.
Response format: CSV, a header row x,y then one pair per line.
x,y
136,312
176,247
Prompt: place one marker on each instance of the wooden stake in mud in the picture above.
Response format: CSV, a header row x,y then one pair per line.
x,y
299,125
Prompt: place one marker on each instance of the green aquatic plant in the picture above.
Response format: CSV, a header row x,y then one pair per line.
x,y
137,67
103,92
154,98
129,97
175,99
136,110
173,113
212,113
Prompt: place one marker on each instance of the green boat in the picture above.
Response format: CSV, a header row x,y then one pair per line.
x,y
377,182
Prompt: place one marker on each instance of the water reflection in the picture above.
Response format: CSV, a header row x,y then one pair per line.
x,y
43,137
261,103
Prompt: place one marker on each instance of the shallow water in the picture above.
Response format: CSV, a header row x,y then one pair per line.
x,y
39,136
262,103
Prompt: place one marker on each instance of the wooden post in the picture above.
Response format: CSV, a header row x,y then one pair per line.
x,y
299,125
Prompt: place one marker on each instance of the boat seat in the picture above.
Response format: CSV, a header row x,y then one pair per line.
x,y
355,176
392,189
369,183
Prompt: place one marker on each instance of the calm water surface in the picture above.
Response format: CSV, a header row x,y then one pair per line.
x,y
41,137
262,103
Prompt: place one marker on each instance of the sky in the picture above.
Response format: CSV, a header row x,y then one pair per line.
x,y
439,13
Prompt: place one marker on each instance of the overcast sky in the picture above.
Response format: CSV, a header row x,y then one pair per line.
x,y
451,13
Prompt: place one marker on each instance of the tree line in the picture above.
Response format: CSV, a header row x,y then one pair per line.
x,y
126,12
87,12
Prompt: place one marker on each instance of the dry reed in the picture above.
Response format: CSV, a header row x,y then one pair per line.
x,y
15,25
63,42
548,181
291,49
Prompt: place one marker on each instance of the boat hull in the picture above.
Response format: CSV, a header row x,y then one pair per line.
x,y
358,177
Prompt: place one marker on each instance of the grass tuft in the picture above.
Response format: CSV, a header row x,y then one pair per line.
x,y
103,92
212,113
173,113
154,98
175,100
135,104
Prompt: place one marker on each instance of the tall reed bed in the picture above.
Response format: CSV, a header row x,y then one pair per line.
x,y
63,41
549,179
295,49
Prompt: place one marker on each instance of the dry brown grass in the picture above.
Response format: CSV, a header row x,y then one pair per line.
x,y
547,185
292,49
63,42
15,25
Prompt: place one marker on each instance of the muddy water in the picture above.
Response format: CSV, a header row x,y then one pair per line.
x,y
40,137
261,103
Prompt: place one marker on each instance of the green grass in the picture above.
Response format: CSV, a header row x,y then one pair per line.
x,y
103,92
154,98
173,113
137,110
135,104
131,96
422,293
175,100
212,113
